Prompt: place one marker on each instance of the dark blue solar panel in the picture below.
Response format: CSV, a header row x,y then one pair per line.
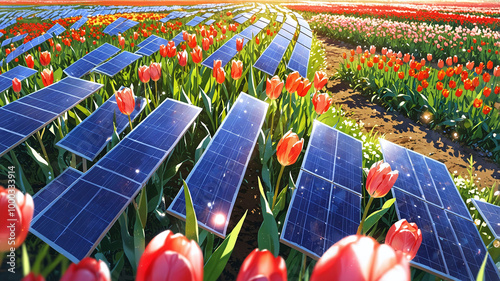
x,y
216,178
178,39
269,60
490,214
114,24
299,60
348,163
19,37
55,188
430,255
24,117
122,27
6,42
473,247
117,64
91,136
79,23
452,252
152,47
424,178
225,53
452,201
20,72
77,220
147,41
320,214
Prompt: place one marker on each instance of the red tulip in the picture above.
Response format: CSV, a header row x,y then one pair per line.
x,y
380,179
125,100
361,258
163,50
452,84
405,237
496,71
274,87
289,148
475,82
185,35
320,80
196,54
171,49
455,59
478,103
497,90
205,44
33,277
239,44
155,71
486,91
440,63
262,265
486,110
87,269
449,61
236,69
469,65
171,257
58,47
182,58
136,35
144,74
16,85
459,92
441,74
489,65
47,77
486,77
21,212
429,57
401,75
45,58
303,87
446,93
292,82
192,41
321,102
29,61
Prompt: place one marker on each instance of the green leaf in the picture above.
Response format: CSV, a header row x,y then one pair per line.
x,y
191,221
268,236
139,240
480,274
201,147
127,240
143,207
374,217
117,269
217,262
40,160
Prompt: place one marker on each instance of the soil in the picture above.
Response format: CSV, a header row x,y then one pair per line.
x,y
402,130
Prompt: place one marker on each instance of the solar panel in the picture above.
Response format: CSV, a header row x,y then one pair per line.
x,y
91,136
117,64
19,37
84,65
322,211
473,247
178,39
270,59
299,60
288,28
114,24
195,21
56,187
304,40
225,53
262,23
79,23
241,20
6,42
147,41
78,219
250,32
306,32
20,72
491,215
122,27
209,22
207,15
152,47
27,115
215,180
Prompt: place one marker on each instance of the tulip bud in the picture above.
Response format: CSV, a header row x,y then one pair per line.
x,y
320,80
405,237
380,179
47,77
236,69
87,269
196,54
274,87
144,74
321,102
155,71
21,213
262,265
182,58
45,58
16,85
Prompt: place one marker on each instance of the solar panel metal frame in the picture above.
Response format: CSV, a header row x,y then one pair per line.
x,y
479,208
130,199
99,69
238,186
137,111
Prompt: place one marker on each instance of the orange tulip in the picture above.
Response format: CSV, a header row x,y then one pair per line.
x,y
449,61
155,71
401,75
274,87
16,85
144,74
497,90
289,148
218,72
125,100
87,269
196,54
489,65
303,87
136,35
361,258
185,35
236,69
292,82
469,65
459,92
21,211
320,80
496,71
439,85
171,49
405,237
33,277
192,41
171,257
47,77
239,44
478,103
29,61
45,58
486,91
262,265
452,84
321,102
380,179
441,74
486,110
182,58
205,43
429,57
486,77
440,63
475,82
163,51
58,47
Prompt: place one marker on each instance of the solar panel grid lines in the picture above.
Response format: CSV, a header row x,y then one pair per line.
x,y
76,222
304,40
490,214
147,41
195,21
92,135
216,178
114,24
225,53
299,60
209,22
269,61
117,64
122,27
84,65
153,46
30,113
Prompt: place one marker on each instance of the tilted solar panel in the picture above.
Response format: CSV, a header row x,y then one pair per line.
x,y
195,21
79,218
117,64
209,22
178,38
20,72
114,24
304,40
490,214
84,65
152,47
215,180
79,23
225,53
147,41
270,59
25,116
91,136
299,60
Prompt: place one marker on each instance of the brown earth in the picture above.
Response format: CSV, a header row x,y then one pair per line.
x,y
402,130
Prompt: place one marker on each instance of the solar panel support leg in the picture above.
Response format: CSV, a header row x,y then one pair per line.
x,y
84,165
73,160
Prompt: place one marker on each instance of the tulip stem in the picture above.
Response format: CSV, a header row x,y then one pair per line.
x,y
277,186
360,228
303,267
39,137
130,122
272,125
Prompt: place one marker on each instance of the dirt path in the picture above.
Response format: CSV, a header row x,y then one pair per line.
x,y
402,130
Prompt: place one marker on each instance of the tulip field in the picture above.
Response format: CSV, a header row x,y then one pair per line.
x,y
202,142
